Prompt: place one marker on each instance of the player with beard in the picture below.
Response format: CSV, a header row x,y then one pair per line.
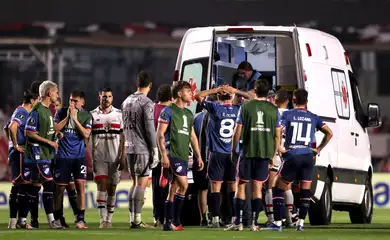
x,y
74,123
140,143
174,134
220,128
108,153
40,147
16,147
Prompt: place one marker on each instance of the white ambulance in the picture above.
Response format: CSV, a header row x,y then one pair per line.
x,y
294,57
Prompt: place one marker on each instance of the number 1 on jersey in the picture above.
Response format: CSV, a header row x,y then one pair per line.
x,y
260,116
185,124
297,133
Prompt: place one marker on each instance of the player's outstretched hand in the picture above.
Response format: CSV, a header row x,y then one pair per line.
x,y
200,164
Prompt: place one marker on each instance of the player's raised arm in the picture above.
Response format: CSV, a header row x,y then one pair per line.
x,y
60,123
247,95
195,147
200,96
85,131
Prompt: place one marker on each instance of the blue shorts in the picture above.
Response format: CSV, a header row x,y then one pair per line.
x,y
255,169
37,172
221,168
16,165
179,167
67,170
297,167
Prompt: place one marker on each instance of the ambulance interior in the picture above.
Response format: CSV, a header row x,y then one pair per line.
x,y
272,56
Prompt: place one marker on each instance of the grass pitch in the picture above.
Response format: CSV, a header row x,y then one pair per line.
x,y
340,229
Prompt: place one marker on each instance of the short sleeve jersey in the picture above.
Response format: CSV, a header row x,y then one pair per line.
x,y
19,117
40,121
221,126
106,134
72,144
259,120
300,126
178,134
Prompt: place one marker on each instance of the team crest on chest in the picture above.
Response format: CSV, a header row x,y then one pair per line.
x,y
107,126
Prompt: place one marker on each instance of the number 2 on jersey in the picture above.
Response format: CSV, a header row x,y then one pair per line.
x,y
297,133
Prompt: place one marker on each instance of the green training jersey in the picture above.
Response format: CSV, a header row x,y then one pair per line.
x,y
178,134
259,120
40,121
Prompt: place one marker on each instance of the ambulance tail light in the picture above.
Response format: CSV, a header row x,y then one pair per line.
x,y
243,29
304,75
308,49
346,58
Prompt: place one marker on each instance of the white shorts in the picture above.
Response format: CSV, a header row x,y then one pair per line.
x,y
276,165
106,170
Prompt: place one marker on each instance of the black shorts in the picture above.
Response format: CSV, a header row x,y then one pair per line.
x,y
297,167
200,177
255,169
68,170
36,171
221,168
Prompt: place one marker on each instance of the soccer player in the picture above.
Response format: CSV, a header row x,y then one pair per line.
x,y
16,146
70,161
160,194
258,124
220,128
40,147
300,127
70,188
174,134
140,143
281,101
200,177
108,148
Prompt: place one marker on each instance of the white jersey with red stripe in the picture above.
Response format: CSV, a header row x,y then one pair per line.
x,y
106,134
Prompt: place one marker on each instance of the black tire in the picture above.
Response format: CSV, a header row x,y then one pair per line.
x,y
362,213
320,212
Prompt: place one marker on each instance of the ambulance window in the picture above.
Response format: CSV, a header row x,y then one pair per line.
x,y
223,50
239,55
195,72
357,102
341,93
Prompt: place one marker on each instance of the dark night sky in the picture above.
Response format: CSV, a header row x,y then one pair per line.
x,y
197,12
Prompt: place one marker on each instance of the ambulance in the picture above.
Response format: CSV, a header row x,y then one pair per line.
x,y
294,57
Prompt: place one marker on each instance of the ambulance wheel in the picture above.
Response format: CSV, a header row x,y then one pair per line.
x,y
363,212
320,212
